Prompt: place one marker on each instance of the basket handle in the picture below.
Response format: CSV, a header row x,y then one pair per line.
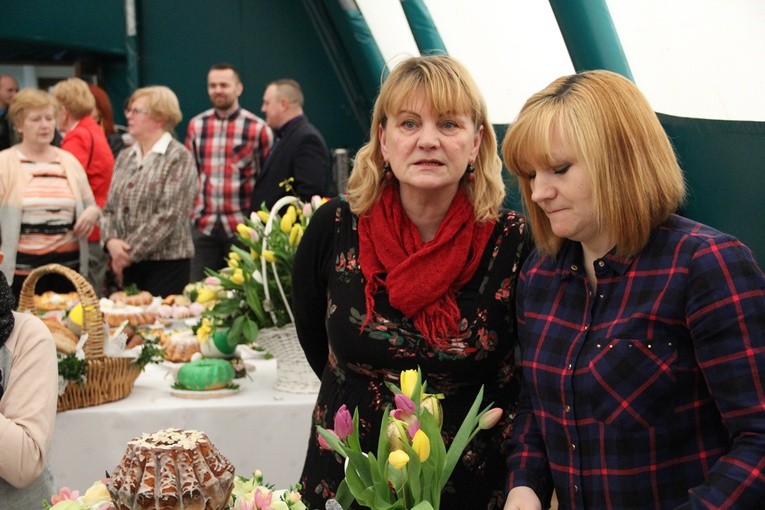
x,y
92,320
287,200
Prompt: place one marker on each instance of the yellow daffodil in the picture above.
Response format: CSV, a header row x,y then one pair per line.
x,y
296,234
398,459
408,380
288,219
421,445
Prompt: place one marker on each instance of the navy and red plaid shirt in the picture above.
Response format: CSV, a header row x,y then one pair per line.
x,y
229,153
649,392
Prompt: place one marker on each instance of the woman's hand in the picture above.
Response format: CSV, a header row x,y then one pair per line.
x,y
87,221
119,251
522,498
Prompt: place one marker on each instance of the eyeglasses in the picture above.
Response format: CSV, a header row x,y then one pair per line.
x,y
136,111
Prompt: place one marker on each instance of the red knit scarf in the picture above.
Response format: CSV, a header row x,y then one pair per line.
x,y
422,279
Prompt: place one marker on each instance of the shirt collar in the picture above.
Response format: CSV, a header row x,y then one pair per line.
x,y
571,262
280,132
160,146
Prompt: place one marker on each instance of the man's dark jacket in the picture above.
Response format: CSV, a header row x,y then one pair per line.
x,y
301,153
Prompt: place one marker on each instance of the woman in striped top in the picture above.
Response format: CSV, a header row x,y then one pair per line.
x,y
47,209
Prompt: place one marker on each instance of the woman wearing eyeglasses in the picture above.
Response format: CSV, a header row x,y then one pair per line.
x,y
145,224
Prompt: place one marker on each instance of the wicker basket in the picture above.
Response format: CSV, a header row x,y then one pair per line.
x,y
107,379
293,373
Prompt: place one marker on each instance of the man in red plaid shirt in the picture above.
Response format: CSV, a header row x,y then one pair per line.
x,y
229,145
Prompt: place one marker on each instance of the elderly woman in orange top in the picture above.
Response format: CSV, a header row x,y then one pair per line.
x,y
146,224
47,209
84,138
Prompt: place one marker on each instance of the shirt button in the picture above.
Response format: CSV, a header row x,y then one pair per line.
x,y
574,267
568,409
576,488
573,447
601,263
570,366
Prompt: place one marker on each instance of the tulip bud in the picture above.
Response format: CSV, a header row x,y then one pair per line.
x,y
489,418
413,427
263,215
404,403
296,234
243,230
395,434
255,219
408,380
421,445
398,459
237,278
288,219
432,404
257,276
212,280
254,236
323,442
343,423
316,202
269,255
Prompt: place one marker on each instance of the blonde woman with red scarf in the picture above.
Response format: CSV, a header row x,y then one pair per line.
x,y
415,266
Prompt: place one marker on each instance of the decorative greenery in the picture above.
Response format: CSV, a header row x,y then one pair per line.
x,y
412,465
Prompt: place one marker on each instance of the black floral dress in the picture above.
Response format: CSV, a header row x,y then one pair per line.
x,y
328,290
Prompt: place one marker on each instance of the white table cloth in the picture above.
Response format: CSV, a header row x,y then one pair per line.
x,y
257,428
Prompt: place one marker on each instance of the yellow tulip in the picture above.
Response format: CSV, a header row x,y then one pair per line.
x,y
398,459
288,219
296,234
269,255
254,254
263,215
237,278
243,230
206,295
408,380
232,255
421,445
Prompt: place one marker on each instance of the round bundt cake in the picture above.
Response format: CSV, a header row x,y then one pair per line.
x,y
171,469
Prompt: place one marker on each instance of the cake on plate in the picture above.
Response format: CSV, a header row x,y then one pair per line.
x,y
171,469
180,345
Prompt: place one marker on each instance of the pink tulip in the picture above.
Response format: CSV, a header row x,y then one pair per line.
x,y
404,403
489,418
263,499
64,494
413,427
323,442
343,423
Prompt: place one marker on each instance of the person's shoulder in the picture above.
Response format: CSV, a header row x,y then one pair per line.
x,y
679,229
247,114
201,116
333,209
29,328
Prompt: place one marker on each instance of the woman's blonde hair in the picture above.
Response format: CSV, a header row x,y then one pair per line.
x,y
448,87
613,132
74,95
29,99
162,104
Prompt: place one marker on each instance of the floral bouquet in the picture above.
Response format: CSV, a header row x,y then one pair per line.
x,y
253,298
95,498
412,465
253,494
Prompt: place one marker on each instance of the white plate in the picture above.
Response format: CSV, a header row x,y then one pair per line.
x,y
225,392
